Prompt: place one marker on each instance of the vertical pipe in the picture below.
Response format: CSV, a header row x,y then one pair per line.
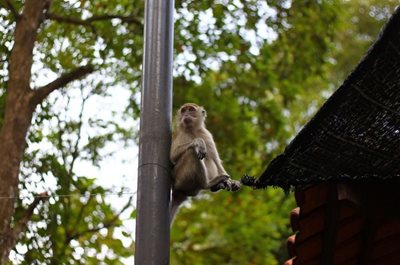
x,y
152,225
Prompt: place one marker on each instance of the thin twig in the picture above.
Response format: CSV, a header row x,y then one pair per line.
x,y
89,21
106,224
75,151
81,211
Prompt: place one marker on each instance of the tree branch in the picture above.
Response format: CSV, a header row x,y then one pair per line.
x,y
22,223
89,21
14,11
41,93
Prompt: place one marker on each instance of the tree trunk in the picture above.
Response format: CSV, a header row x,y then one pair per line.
x,y
18,114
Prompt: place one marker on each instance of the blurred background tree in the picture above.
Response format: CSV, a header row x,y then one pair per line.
x,y
274,63
260,68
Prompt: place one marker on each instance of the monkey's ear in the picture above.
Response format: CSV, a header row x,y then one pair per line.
x,y
204,112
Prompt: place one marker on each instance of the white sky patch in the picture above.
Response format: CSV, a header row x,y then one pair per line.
x,y
256,37
207,21
115,171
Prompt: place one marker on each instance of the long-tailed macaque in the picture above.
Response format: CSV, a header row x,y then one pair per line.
x,y
197,165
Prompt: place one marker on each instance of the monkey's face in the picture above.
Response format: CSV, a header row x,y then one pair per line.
x,y
191,116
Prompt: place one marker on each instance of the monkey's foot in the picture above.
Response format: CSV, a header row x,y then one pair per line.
x,y
235,185
219,186
227,184
219,183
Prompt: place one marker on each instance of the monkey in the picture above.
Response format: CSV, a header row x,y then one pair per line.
x,y
196,162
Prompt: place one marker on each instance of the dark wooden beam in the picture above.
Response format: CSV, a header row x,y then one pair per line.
x,y
331,226
367,242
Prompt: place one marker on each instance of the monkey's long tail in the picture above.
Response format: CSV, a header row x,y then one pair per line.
x,y
177,199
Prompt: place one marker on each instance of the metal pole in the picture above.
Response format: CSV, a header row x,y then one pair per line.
x,y
152,222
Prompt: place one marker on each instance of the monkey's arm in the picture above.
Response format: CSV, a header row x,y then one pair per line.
x,y
228,183
221,169
178,150
217,160
213,153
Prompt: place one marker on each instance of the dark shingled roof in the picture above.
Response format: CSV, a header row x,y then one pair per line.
x,y
356,133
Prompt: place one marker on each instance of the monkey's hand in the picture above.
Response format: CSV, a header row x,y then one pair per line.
x,y
200,148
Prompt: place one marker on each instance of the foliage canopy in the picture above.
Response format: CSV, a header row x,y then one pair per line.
x,y
261,70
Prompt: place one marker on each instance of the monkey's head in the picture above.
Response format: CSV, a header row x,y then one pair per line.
x,y
191,116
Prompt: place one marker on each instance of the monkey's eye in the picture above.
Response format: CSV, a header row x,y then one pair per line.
x,y
188,108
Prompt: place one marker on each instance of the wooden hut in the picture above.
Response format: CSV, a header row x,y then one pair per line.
x,y
344,166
